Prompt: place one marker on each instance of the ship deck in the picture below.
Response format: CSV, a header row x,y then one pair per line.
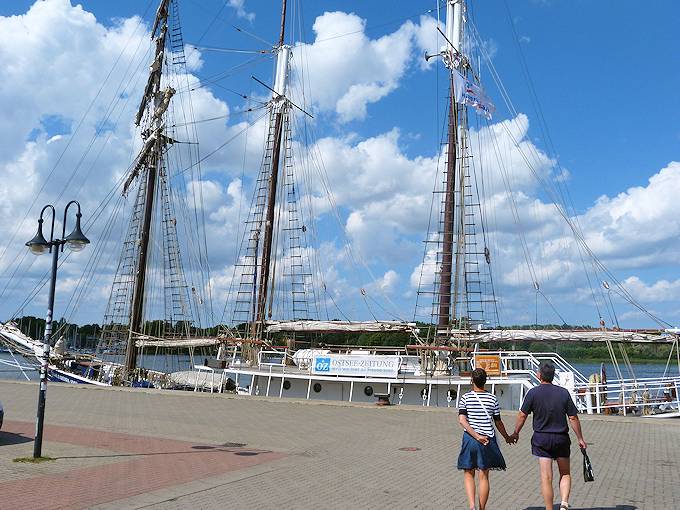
x,y
137,448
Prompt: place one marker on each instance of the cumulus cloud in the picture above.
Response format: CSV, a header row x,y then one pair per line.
x,y
383,193
616,225
661,290
241,12
348,70
73,86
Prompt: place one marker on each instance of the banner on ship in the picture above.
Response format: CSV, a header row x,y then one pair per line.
x,y
356,365
473,95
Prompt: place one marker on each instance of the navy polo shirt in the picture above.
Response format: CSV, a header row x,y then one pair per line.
x,y
550,406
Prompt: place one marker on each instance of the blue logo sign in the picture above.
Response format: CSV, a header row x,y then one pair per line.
x,y
322,364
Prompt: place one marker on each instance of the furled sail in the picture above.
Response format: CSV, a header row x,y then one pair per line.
x,y
519,335
340,326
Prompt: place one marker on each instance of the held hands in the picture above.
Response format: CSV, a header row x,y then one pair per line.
x,y
482,439
512,438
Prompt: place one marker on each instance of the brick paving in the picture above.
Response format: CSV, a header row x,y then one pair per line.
x,y
310,455
132,465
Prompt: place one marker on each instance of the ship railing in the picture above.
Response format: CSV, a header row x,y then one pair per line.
x,y
209,373
536,358
632,396
561,364
271,358
526,364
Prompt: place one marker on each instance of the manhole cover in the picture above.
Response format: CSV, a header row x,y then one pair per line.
x,y
409,449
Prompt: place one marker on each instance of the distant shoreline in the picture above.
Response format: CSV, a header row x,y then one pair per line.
x,y
637,361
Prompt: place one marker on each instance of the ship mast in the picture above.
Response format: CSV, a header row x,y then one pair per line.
x,y
278,107
149,160
448,278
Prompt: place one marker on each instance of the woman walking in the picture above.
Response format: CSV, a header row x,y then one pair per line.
x,y
478,411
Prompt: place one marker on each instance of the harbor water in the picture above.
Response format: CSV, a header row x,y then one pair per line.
x,y
176,363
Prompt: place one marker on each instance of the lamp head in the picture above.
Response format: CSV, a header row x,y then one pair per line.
x,y
38,245
76,240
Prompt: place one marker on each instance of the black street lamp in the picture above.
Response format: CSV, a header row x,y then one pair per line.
x,y
76,241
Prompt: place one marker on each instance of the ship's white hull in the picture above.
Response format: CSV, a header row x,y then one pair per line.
x,y
420,391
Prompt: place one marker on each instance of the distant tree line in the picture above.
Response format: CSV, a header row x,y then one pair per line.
x,y
87,335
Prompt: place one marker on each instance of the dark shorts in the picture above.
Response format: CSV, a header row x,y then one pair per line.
x,y
474,455
551,446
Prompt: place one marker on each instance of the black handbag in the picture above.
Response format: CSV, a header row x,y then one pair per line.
x,y
587,467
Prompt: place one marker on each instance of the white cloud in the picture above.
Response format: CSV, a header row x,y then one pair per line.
x,y
347,70
427,40
640,221
239,6
67,129
423,274
383,193
388,282
661,290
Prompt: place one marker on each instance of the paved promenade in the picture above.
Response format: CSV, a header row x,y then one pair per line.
x,y
124,449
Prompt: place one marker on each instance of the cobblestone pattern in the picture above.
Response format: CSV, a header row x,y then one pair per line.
x,y
342,456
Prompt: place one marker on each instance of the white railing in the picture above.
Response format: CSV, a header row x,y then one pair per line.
x,y
209,373
561,364
279,358
644,396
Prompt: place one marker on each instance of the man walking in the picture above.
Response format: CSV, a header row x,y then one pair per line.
x,y
551,405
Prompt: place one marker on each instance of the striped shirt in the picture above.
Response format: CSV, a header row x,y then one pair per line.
x,y
470,406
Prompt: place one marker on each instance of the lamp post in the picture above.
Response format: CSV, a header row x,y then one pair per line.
x,y
76,241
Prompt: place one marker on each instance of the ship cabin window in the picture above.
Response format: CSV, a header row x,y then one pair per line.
x,y
286,385
317,387
368,391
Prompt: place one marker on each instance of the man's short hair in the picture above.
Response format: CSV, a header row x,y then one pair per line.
x,y
547,371
479,377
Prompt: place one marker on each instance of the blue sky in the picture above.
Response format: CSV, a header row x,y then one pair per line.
x,y
606,75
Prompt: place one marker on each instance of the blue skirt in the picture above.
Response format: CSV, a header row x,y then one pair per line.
x,y
474,455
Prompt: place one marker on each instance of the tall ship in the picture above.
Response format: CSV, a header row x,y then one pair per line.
x,y
279,334
159,298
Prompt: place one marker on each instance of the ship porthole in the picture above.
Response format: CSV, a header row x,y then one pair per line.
x,y
368,391
453,394
317,387
286,385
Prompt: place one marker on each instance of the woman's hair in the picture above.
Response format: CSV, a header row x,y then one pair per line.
x,y
479,377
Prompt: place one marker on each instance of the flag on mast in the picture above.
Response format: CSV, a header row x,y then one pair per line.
x,y
473,95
